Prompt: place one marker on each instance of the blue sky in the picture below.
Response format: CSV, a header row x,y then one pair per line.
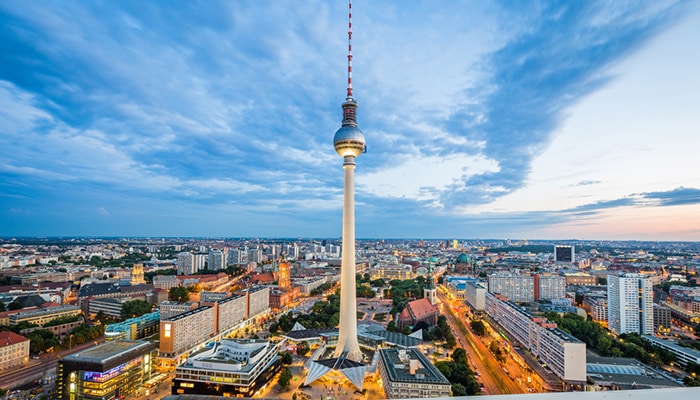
x,y
538,120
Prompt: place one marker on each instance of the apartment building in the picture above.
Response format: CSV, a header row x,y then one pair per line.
x,y
563,353
14,350
630,304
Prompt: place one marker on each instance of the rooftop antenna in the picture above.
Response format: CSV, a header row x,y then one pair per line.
x,y
349,49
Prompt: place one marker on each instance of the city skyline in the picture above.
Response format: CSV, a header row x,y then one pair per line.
x,y
539,121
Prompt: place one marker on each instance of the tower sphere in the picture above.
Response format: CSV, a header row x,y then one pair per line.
x,y
349,141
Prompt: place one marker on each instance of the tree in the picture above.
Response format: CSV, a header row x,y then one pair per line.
x,y
135,308
287,358
458,390
14,306
365,291
459,356
179,294
285,378
2,306
478,327
302,348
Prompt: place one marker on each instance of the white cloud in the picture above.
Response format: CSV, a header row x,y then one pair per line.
x,y
423,178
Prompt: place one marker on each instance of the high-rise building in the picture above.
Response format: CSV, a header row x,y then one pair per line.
x,y
630,304
185,263
215,260
564,254
349,142
236,257
549,287
518,288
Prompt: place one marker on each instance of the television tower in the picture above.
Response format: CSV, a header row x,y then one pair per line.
x,y
349,142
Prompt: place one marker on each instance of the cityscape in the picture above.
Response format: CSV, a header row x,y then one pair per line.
x,y
169,214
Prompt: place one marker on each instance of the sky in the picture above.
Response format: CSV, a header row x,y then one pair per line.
x,y
519,120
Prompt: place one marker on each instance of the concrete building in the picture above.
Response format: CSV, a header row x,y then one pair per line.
x,y
169,309
407,373
14,350
475,295
42,316
181,332
565,254
185,263
231,311
630,304
390,272
518,288
549,287
563,353
230,368
216,260
684,354
165,282
134,328
662,319
597,307
111,370
258,300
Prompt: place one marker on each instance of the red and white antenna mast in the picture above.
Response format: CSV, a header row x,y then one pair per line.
x,y
349,49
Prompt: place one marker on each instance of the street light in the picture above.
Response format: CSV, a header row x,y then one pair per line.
x,y
70,342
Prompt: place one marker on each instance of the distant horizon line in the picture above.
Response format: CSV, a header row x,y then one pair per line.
x,y
123,237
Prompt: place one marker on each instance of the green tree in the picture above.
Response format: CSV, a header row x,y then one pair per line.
x,y
302,348
478,327
285,378
2,306
179,294
458,390
365,291
135,308
14,306
460,356
287,358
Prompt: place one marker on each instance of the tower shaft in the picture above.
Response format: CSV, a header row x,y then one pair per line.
x,y
347,333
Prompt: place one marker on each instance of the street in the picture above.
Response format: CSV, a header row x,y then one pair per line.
x,y
493,377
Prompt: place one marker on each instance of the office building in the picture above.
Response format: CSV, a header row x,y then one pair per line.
x,y
111,370
662,319
169,309
564,254
134,328
630,304
230,368
475,295
14,350
407,373
42,316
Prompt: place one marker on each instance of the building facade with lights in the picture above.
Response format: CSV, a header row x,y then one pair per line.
x,y
563,353
14,350
111,370
229,368
630,304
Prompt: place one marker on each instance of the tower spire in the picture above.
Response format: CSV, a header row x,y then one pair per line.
x,y
349,49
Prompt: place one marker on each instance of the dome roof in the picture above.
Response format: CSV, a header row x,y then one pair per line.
x,y
462,259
